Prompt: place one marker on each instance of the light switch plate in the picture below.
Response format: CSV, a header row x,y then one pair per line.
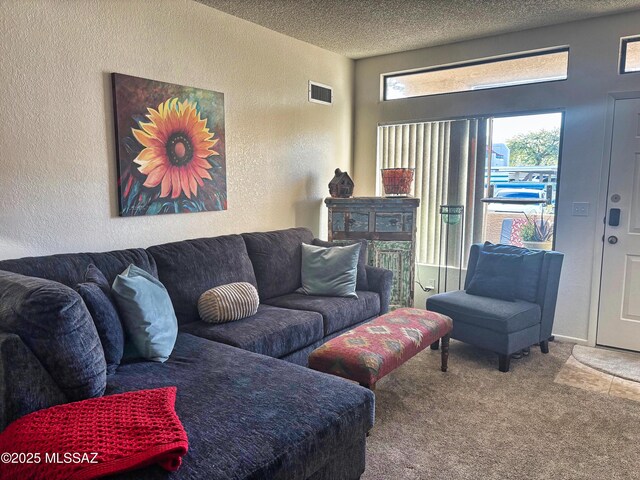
x,y
580,209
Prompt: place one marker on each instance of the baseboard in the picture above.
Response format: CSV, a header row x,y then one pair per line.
x,y
564,338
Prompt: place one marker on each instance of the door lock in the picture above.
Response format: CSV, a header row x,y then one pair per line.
x,y
614,217
612,239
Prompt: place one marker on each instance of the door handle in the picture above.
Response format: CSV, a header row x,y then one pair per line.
x,y
614,217
612,239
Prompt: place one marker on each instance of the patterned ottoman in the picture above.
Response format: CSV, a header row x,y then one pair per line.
x,y
370,351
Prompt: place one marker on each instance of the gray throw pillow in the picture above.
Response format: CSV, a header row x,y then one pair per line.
x,y
146,312
331,271
361,282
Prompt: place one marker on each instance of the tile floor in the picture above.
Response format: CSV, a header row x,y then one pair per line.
x,y
576,374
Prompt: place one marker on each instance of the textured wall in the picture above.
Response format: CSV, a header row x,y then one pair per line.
x,y
57,165
584,97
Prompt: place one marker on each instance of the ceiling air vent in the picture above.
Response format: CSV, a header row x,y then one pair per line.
x,y
319,93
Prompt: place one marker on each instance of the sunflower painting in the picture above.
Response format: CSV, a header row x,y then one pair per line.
x,y
170,144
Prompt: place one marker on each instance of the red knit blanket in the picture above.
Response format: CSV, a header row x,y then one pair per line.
x,y
95,437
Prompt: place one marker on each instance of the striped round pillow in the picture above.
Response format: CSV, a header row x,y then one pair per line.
x,y
225,303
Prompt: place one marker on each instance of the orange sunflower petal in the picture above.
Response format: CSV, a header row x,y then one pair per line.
x,y
165,189
142,137
148,167
175,182
184,182
201,162
150,128
202,172
193,184
156,176
148,154
195,175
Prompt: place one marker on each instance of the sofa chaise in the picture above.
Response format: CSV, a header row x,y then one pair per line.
x,y
250,407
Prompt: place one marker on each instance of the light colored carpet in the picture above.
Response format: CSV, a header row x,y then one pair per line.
x,y
620,364
475,422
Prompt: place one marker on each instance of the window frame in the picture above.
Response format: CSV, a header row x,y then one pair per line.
x,y
471,63
624,41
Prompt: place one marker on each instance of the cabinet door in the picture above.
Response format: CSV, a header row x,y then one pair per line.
x,y
397,257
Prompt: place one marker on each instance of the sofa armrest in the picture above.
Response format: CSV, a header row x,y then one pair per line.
x,y
548,291
25,386
380,280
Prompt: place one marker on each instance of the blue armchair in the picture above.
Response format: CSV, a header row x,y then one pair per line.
x,y
503,326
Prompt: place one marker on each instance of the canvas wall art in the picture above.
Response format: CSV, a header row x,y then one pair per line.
x,y
170,147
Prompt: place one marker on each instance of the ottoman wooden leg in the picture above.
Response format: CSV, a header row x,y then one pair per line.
x,y
445,353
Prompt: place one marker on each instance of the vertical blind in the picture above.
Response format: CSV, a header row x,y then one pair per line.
x,y
449,161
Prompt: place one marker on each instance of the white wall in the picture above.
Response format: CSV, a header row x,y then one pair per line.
x,y
57,165
584,97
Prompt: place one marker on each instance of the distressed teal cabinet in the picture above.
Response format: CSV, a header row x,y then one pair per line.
x,y
389,226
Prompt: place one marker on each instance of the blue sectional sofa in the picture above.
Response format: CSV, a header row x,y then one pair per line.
x,y
248,413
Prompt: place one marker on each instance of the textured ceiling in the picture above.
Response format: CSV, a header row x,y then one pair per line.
x,y
364,28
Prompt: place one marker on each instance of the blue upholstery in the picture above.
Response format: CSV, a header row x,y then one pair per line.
x,y
189,268
52,320
247,415
380,281
71,268
25,385
107,321
277,260
527,284
496,276
251,416
337,312
272,331
501,326
500,316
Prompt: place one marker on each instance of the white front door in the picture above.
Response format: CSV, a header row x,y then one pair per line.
x,y
619,313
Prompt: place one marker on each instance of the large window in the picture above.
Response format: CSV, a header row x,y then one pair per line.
x,y
630,55
449,161
517,69
503,170
521,180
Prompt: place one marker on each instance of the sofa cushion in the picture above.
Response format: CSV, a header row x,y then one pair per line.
x,y
25,386
490,313
107,322
189,268
496,276
53,321
277,259
329,271
251,416
337,312
272,331
70,268
146,312
529,276
363,258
